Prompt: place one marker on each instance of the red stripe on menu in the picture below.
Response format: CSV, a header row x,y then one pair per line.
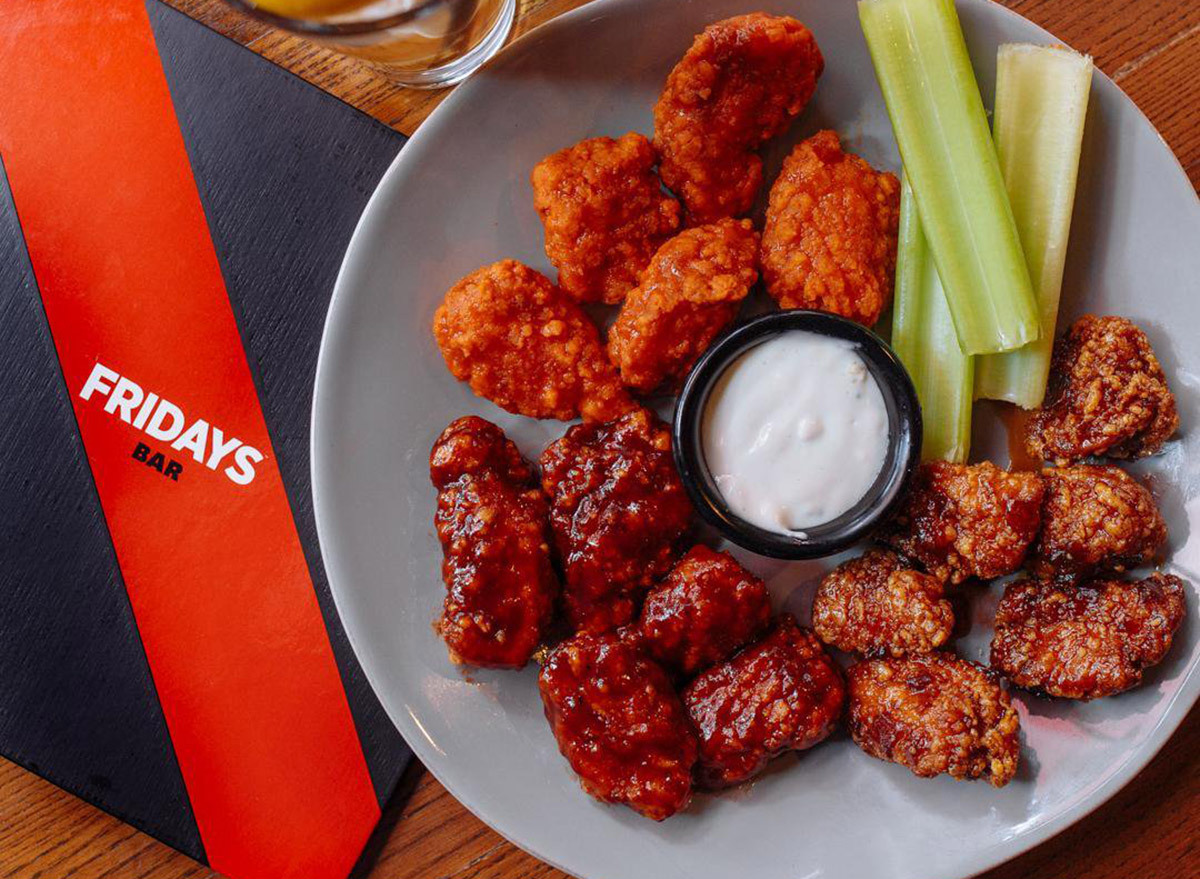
x,y
214,569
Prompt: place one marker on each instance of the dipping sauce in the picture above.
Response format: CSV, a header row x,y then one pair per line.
x,y
795,431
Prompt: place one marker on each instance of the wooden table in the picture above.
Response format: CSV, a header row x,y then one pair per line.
x,y
1152,49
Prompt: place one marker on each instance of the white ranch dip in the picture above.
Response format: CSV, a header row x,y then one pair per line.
x,y
795,431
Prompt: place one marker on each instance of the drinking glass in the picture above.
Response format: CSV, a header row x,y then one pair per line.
x,y
416,43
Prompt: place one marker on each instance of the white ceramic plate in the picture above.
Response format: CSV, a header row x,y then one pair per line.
x,y
458,197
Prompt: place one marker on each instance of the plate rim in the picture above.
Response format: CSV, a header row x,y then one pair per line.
x,y
974,862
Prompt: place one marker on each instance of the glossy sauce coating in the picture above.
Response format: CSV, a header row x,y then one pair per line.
x,y
1095,518
604,213
875,605
961,521
783,693
690,291
829,241
1085,641
1107,395
705,609
742,82
526,346
620,724
492,523
618,513
935,713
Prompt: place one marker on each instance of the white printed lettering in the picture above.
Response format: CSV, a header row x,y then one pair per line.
x,y
244,459
220,448
96,381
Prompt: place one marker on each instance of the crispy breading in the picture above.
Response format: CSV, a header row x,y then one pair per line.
x,y
935,713
1095,518
742,82
492,523
691,290
604,213
620,724
961,521
783,693
526,346
829,241
1106,395
1089,640
618,513
705,609
875,605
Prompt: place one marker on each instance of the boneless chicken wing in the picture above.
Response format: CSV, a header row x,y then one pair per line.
x,y
935,713
875,604
1085,641
829,241
783,693
522,343
705,609
691,290
619,723
961,521
740,84
1107,395
618,513
1095,518
492,523
604,213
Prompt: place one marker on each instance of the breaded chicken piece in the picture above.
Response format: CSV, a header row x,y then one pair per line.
x,y
492,523
829,241
875,605
705,609
1086,641
740,84
620,724
935,713
1107,395
961,521
1095,518
691,290
526,346
618,514
604,213
783,693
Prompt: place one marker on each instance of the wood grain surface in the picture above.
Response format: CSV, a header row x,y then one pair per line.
x,y
1149,830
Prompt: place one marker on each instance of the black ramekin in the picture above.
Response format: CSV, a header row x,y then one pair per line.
x,y
857,523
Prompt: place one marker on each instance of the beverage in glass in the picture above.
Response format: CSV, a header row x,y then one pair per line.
x,y
417,43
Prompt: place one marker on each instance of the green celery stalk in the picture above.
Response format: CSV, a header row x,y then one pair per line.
x,y
924,339
937,115
1041,104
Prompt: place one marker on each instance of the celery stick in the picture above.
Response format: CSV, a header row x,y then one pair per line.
x,y
937,115
923,337
1041,103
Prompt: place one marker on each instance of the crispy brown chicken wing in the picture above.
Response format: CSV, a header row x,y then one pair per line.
x,y
935,713
1107,395
526,346
620,724
740,84
690,291
1086,641
829,242
604,213
961,521
492,523
618,512
706,608
783,693
1095,518
875,605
